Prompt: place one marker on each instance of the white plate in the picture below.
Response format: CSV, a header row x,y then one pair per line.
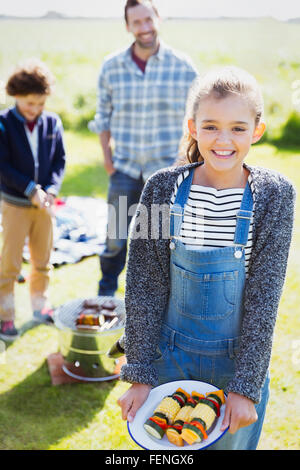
x,y
144,440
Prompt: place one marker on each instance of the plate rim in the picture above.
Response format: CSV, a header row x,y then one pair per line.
x,y
177,447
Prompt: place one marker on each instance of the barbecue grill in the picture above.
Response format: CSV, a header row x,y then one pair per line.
x,y
84,348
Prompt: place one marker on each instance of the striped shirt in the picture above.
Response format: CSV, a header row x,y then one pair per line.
x,y
210,217
143,111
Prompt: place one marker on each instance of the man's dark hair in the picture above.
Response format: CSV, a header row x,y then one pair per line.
x,y
134,3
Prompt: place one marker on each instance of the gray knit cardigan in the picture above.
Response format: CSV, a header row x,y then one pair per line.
x,y
148,280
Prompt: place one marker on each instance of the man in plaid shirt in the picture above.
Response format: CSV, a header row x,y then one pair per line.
x,y
141,103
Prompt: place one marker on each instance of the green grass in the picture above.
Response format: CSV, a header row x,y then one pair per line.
x,y
36,415
85,175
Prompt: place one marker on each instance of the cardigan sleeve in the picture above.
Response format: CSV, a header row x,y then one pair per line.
x,y
262,296
146,297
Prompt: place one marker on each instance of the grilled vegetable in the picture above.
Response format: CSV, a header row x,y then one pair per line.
x,y
154,429
199,424
174,436
205,412
165,413
170,406
214,398
182,392
203,417
197,396
184,414
220,394
191,434
180,397
160,418
185,418
88,319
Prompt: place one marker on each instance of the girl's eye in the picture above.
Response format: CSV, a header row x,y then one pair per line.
x,y
209,128
239,129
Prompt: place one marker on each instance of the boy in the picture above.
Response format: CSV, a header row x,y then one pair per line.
x,y
32,163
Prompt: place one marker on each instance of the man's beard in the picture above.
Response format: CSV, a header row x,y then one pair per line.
x,y
147,45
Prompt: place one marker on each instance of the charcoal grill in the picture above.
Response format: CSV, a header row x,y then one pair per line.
x,y
84,350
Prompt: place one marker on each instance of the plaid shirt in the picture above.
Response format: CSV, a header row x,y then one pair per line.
x,y
143,111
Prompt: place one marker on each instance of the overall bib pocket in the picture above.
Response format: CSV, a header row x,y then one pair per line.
x,y
206,296
162,348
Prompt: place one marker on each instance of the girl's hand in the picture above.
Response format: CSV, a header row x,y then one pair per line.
x,y
239,412
133,399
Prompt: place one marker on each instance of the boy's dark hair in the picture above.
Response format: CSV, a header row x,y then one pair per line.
x,y
134,3
30,77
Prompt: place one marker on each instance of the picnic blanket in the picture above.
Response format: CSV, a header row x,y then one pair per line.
x,y
79,229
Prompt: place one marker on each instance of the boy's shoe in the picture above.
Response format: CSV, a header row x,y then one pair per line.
x,y
8,331
44,316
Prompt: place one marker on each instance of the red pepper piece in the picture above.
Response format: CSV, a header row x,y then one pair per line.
x,y
217,406
159,423
179,399
199,426
176,426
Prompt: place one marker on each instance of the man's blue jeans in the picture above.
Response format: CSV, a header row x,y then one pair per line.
x,y
123,193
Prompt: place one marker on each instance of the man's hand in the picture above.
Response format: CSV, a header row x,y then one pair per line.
x,y
105,141
133,399
109,167
239,412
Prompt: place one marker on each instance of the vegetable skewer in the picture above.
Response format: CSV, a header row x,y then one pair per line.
x,y
165,413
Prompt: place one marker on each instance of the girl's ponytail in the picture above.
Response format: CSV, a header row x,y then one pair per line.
x,y
189,150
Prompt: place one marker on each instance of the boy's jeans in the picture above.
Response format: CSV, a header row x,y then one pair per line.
x,y
123,192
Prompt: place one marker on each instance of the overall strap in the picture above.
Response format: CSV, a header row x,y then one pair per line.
x,y
244,215
177,210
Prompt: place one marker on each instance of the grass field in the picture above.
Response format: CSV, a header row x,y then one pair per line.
x,y
33,413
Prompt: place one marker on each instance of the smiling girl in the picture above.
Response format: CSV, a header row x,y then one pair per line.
x,y
202,305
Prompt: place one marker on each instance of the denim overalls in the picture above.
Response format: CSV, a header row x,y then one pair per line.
x,y
201,327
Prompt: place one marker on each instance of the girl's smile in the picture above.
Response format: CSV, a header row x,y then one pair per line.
x,y
223,153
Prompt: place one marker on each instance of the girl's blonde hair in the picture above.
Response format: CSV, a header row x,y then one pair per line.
x,y
218,84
